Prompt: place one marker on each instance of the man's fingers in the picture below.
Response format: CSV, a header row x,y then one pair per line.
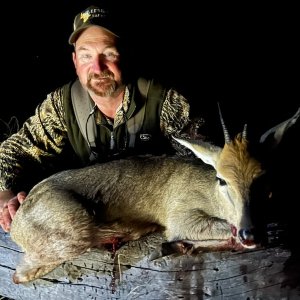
x,y
13,205
9,210
21,197
5,219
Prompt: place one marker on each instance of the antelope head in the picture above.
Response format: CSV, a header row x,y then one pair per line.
x,y
235,170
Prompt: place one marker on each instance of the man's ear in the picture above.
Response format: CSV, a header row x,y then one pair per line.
x,y
74,58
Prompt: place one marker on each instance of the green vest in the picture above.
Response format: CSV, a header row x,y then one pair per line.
x,y
139,134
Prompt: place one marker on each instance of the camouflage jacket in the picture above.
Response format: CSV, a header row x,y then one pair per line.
x,y
42,147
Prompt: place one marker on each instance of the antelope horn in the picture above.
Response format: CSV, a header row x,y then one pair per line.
x,y
225,131
244,134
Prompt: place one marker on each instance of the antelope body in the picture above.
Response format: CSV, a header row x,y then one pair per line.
x,y
70,212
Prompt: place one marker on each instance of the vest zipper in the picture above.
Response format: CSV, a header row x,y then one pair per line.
x,y
112,141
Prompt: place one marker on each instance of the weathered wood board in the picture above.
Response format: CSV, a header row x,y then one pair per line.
x,y
269,273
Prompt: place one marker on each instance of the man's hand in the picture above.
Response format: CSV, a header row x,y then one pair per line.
x,y
9,204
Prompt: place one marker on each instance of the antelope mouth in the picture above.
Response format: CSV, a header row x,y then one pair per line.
x,y
249,244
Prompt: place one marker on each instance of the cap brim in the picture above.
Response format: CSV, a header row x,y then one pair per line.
x,y
75,34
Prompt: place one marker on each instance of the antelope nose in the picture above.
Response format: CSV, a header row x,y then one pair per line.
x,y
246,234
247,238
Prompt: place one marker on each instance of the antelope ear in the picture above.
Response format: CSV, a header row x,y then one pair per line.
x,y
274,135
207,152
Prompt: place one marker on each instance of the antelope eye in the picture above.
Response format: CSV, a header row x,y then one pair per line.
x,y
221,181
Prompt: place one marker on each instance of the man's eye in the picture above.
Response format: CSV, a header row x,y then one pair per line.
x,y
111,56
85,57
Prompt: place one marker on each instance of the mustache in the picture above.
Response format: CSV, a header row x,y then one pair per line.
x,y
102,75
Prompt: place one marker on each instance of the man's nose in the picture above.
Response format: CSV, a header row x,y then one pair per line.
x,y
99,64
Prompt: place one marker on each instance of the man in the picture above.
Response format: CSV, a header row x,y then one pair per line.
x,y
99,116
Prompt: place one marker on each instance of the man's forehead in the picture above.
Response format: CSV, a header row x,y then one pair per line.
x,y
96,35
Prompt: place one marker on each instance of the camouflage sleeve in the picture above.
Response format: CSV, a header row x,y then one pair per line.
x,y
176,121
36,146
175,113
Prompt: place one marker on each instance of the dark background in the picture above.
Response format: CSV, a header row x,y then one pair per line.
x,y
243,56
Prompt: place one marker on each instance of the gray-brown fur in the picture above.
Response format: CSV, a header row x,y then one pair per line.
x,y
68,213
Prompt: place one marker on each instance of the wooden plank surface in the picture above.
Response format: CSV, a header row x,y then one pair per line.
x,y
269,273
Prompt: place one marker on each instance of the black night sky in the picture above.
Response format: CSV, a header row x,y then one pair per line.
x,y
241,55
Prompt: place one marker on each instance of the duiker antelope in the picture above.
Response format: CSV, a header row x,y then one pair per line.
x,y
75,210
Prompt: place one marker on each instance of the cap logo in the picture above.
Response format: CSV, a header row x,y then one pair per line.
x,y
93,13
84,16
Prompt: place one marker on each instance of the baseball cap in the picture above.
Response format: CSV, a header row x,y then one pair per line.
x,y
91,16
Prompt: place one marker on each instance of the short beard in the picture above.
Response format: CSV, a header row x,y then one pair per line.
x,y
106,89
